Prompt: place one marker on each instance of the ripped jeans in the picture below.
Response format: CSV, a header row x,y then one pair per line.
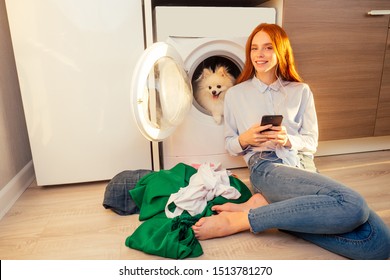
x,y
315,208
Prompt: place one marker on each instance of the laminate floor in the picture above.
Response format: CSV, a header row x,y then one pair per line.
x,y
69,221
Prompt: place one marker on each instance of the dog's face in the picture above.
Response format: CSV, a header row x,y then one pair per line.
x,y
216,83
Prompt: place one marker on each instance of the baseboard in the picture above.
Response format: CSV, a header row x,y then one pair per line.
x,y
350,146
14,189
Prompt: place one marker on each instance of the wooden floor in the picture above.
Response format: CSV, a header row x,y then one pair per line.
x,y
69,221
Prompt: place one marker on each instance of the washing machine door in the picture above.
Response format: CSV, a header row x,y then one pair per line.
x,y
161,92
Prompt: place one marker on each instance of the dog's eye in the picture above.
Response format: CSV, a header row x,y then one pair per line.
x,y
209,87
218,86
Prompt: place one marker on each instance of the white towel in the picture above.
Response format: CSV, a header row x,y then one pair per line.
x,y
208,183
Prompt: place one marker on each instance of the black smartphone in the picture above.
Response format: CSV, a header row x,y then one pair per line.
x,y
275,120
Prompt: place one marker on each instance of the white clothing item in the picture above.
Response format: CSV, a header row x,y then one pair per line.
x,y
208,183
286,156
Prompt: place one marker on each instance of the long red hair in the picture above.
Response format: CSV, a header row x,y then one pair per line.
x,y
286,66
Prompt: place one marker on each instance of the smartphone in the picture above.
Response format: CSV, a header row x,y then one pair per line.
x,y
275,120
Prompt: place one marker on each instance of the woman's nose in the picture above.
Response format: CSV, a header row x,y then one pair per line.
x,y
260,53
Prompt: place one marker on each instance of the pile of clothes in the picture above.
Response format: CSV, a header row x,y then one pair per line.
x,y
169,202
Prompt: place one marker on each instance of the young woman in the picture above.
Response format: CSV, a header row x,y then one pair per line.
x,y
289,192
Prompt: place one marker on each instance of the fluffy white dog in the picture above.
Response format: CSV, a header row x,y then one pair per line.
x,y
211,88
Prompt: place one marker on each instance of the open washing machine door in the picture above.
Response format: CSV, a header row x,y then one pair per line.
x,y
161,91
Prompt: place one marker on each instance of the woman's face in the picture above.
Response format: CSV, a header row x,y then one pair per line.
x,y
263,56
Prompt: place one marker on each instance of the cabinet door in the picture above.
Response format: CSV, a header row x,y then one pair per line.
x,y
382,126
339,51
75,60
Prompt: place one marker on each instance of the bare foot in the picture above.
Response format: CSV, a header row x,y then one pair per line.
x,y
223,224
257,200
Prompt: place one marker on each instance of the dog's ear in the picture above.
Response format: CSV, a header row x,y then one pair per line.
x,y
221,71
207,72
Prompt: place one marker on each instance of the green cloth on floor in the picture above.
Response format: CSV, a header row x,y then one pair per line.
x,y
162,236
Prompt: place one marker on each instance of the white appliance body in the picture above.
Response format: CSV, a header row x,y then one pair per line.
x,y
200,33
75,60
199,139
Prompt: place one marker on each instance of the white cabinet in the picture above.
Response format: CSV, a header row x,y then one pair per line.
x,y
75,61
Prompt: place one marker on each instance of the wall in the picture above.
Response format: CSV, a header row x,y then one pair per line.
x,y
16,170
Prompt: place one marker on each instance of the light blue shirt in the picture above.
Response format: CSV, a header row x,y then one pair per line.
x,y
247,102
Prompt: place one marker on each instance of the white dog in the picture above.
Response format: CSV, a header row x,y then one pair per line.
x,y
211,88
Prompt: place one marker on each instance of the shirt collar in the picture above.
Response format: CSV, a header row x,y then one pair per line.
x,y
262,87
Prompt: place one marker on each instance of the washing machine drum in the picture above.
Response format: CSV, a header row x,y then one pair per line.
x,y
161,92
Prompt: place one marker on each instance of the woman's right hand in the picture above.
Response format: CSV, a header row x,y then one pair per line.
x,y
253,136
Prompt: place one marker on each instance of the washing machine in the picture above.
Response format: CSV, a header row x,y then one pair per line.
x,y
187,40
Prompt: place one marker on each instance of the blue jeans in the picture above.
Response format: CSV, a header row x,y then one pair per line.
x,y
315,208
117,196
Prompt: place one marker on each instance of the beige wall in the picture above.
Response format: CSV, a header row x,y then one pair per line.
x,y
15,151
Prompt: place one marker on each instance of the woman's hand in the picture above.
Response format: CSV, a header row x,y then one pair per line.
x,y
278,135
254,136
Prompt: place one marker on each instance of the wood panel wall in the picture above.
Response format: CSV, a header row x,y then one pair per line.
x,y
339,52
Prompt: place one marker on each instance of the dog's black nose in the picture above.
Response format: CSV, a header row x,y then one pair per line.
x,y
214,92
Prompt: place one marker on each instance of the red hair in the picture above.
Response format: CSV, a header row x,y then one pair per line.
x,y
282,47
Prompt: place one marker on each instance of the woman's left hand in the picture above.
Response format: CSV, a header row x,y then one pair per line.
x,y
278,135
